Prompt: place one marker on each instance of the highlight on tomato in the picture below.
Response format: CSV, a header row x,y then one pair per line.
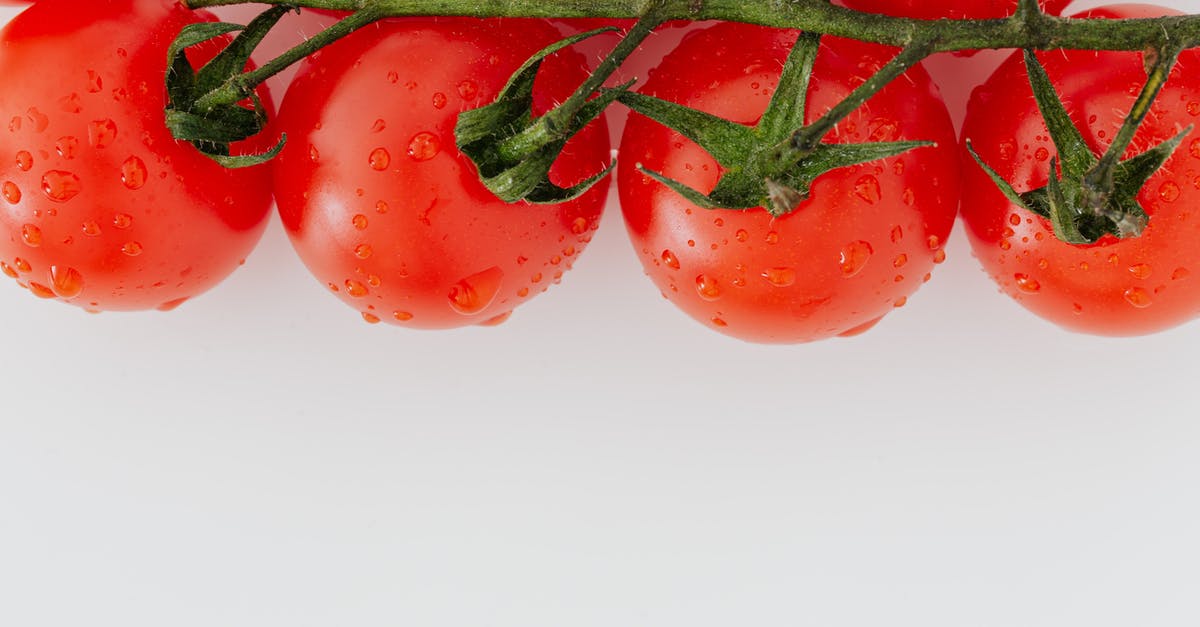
x,y
1116,285
382,207
102,208
862,242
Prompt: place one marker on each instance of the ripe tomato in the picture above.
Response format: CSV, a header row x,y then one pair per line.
x,y
1115,286
383,208
863,242
101,207
952,9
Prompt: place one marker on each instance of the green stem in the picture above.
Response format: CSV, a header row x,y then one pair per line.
x,y
240,87
1026,29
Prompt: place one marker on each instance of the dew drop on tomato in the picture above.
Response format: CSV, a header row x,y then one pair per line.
x,y
780,277
61,186
707,287
66,281
380,159
24,160
475,293
854,257
424,146
670,259
31,235
101,133
1138,297
12,193
1141,270
133,173
1027,284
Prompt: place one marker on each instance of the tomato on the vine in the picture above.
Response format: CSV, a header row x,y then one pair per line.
x,y
856,249
101,206
950,9
1116,286
383,208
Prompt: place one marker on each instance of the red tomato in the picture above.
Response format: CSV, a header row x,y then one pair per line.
x,y
1113,287
952,9
383,208
102,207
863,242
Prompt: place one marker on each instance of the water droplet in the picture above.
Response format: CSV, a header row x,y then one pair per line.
x,y
900,260
380,159
22,266
467,90
31,235
132,249
1138,297
378,126
8,270
883,130
741,235
356,289
172,305
496,321
40,120
1141,270
1027,284
1041,154
670,259
900,302
439,100
60,186
11,192
1114,259
95,83
772,237
133,173
24,160
867,188
780,277
393,76
363,251
70,103
1179,274
120,221
101,133
897,234
1194,148
370,318
402,316
579,226
67,282
707,287
1168,191
476,292
939,256
359,221
67,147
854,257
41,291
424,146
314,155
719,322
934,242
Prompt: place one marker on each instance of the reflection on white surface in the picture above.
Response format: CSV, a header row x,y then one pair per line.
x,y
262,457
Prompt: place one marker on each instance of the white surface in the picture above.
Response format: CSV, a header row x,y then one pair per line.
x,y
261,457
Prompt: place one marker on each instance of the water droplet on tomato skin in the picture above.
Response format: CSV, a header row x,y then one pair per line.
x,y
40,120
370,318
1179,274
356,289
780,277
670,260
1138,297
11,192
24,160
475,293
860,329
8,270
854,257
1168,191
120,221
363,251
379,126
439,100
172,305
1141,270
67,282
22,265
133,173
359,221
60,186
379,159
867,188
132,249
467,90
31,235
1027,284
498,320
41,291
707,287
424,146
401,316
101,133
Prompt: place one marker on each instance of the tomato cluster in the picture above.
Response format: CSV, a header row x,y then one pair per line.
x,y
103,209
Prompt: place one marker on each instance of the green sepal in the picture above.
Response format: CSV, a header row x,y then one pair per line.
x,y
487,135
788,105
693,196
1011,194
728,142
1073,152
211,129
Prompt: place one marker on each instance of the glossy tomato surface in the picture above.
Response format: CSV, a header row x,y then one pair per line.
x,y
101,207
864,241
1114,287
382,207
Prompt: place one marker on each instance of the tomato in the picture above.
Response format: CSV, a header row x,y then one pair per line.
x,y
952,9
1116,286
383,208
102,208
863,242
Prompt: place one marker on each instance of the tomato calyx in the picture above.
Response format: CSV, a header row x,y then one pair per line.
x,y
1088,196
774,163
513,150
192,115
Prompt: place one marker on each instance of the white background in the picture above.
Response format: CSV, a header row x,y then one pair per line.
x,y
261,457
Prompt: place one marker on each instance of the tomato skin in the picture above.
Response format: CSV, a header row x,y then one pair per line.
x,y
863,242
102,208
382,207
950,9
1113,287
